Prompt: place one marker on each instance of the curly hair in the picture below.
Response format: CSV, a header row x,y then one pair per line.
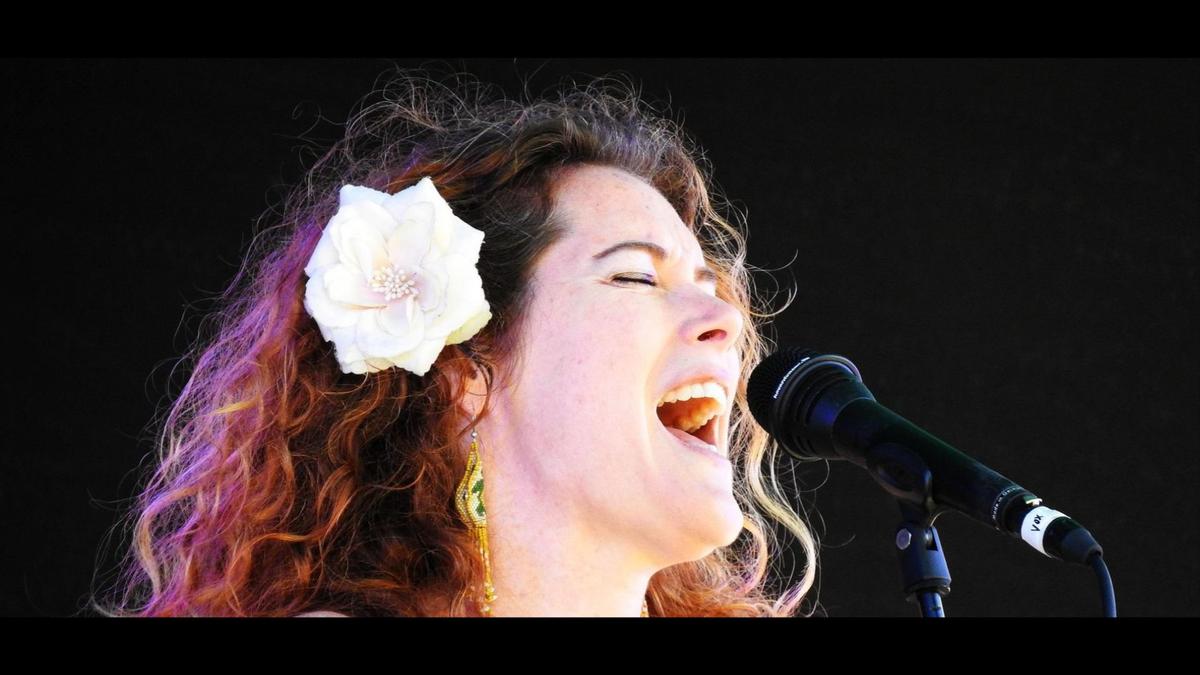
x,y
281,485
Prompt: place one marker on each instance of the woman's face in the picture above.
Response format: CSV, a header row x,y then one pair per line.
x,y
579,423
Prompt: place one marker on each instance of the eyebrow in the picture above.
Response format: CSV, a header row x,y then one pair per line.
x,y
659,253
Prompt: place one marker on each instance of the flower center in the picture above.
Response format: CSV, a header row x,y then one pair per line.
x,y
393,282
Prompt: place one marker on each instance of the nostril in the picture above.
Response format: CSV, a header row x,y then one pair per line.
x,y
719,332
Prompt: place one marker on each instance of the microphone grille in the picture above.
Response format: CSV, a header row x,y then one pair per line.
x,y
764,383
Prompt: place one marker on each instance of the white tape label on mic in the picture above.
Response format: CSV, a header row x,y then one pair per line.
x,y
1033,528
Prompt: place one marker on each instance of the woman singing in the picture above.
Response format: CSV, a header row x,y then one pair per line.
x,y
488,362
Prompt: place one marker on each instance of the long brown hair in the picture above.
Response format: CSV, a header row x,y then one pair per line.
x,y
281,484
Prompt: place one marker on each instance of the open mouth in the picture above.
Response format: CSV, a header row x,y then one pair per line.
x,y
681,416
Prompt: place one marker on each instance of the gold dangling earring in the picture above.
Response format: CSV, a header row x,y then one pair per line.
x,y
469,500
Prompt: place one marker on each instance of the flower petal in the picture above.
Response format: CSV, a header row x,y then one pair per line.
x,y
421,358
466,240
398,316
408,246
471,327
431,284
419,203
464,296
324,309
360,233
348,355
375,340
324,255
375,365
344,284
351,194
421,215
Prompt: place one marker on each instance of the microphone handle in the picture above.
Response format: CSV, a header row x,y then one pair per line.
x,y
904,459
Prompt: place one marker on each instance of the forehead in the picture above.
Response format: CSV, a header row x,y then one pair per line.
x,y
601,206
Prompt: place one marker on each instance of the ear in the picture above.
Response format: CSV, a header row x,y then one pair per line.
x,y
474,385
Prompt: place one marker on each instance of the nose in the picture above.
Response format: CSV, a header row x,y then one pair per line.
x,y
715,322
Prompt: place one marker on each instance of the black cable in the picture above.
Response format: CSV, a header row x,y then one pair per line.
x,y
1108,597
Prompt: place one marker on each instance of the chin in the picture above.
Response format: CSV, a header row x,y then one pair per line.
x,y
722,525
735,523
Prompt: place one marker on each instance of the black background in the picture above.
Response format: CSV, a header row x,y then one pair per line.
x,y
1005,248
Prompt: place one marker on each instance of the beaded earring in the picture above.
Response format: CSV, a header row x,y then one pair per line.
x,y
469,499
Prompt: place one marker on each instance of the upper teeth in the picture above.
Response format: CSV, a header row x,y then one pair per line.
x,y
708,389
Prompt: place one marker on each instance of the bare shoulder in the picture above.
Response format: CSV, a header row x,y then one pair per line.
x,y
322,613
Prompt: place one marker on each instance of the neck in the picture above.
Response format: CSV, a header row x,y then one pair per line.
x,y
548,561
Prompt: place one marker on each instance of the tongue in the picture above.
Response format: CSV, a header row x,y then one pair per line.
x,y
684,436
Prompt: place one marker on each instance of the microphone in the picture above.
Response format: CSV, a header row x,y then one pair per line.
x,y
816,405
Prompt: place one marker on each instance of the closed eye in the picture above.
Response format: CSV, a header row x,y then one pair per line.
x,y
636,280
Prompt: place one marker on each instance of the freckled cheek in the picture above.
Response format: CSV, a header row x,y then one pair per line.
x,y
615,338
601,361
599,338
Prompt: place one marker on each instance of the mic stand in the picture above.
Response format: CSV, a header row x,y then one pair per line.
x,y
922,564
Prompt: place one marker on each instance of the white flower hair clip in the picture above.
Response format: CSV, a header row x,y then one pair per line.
x,y
394,279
